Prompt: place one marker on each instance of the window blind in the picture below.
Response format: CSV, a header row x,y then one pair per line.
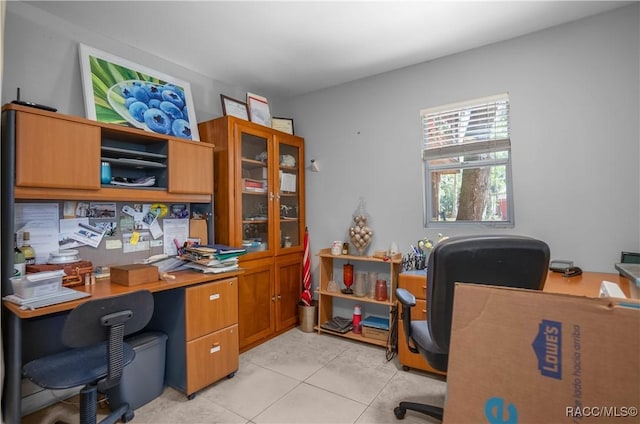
x,y
478,126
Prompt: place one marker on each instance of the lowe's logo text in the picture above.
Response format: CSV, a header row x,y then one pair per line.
x,y
548,348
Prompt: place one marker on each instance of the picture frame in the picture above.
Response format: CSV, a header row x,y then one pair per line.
x,y
112,85
233,107
282,124
259,112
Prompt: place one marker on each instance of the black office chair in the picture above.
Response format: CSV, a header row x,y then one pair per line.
x,y
511,261
95,332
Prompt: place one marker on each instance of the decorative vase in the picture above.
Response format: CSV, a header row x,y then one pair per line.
x,y
360,234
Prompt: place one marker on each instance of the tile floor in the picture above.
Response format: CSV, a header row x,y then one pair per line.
x,y
295,378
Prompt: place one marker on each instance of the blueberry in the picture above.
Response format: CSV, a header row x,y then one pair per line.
x,y
171,110
185,113
125,90
153,91
157,121
154,103
137,110
141,94
172,97
175,89
128,101
181,128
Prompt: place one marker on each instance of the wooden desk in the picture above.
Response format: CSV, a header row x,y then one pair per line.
x,y
13,318
587,284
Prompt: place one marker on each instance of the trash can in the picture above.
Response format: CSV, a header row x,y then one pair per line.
x,y
307,316
143,379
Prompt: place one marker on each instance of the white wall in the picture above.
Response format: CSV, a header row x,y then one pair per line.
x,y
574,93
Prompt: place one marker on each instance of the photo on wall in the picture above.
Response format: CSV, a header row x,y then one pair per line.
x,y
120,92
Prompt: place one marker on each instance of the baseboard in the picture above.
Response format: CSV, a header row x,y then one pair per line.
x,y
35,398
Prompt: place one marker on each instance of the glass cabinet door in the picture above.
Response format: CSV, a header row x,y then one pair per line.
x,y
290,186
256,198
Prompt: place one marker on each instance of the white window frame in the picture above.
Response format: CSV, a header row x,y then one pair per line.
x,y
457,143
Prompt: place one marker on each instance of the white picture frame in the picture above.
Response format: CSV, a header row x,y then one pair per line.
x,y
259,112
112,84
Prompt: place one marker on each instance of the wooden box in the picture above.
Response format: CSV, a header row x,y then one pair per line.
x,y
134,274
375,333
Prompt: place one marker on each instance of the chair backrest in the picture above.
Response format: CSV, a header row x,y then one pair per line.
x,y
84,325
512,261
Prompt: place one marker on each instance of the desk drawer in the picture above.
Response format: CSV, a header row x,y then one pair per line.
x,y
210,307
211,358
419,312
417,285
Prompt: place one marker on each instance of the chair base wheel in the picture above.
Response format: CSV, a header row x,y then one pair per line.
x,y
405,368
192,396
128,416
399,412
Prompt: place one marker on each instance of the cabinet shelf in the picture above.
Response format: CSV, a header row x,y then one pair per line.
x,y
364,299
353,336
326,298
68,166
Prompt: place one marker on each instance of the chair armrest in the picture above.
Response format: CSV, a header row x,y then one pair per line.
x,y
405,297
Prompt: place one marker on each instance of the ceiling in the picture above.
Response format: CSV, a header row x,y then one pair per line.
x,y
289,48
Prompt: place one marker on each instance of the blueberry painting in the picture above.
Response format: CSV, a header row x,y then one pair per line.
x,y
120,92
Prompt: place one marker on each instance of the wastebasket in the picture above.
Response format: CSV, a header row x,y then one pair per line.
x,y
143,379
307,315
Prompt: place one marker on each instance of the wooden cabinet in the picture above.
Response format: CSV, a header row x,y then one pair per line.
x,y
58,156
56,153
260,205
416,283
331,269
202,324
259,187
269,295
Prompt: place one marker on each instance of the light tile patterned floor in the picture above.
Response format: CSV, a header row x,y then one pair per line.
x,y
295,378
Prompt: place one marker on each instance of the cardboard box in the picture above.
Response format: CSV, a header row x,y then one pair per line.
x,y
134,274
521,356
375,333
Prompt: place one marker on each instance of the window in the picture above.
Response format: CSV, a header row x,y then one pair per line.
x,y
467,163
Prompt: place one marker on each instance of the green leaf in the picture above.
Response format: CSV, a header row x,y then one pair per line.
x,y
98,68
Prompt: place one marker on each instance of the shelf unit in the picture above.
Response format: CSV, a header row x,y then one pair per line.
x,y
52,156
259,202
326,298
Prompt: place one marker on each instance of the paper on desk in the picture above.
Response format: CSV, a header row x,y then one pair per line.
x,y
67,227
43,238
174,229
41,220
287,182
87,234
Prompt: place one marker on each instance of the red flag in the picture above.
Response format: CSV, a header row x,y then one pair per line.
x,y
306,296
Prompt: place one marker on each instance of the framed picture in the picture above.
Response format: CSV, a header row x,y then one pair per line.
x,y
120,92
233,107
259,109
282,124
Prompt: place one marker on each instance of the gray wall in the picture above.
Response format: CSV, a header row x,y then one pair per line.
x,y
574,93
41,57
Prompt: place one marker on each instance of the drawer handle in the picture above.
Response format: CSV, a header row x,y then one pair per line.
x,y
214,296
215,348
424,287
424,311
